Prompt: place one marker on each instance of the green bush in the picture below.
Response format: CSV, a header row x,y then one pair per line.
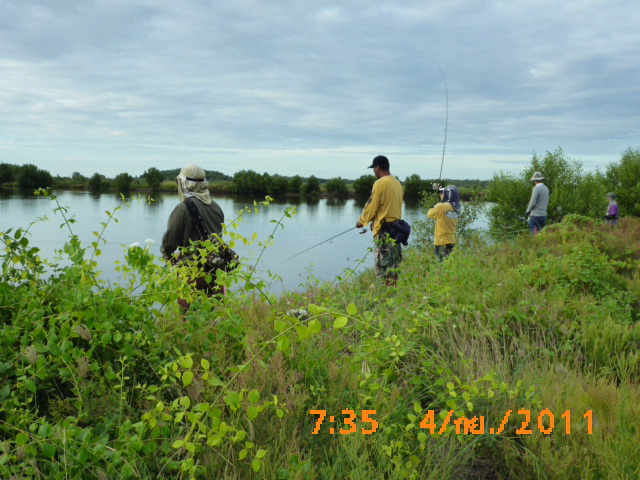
x,y
415,187
571,191
153,177
624,179
336,186
363,185
114,381
30,177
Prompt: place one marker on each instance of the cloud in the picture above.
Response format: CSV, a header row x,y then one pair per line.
x,y
289,87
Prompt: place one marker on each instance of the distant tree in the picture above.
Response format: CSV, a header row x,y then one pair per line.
x,y
363,185
248,181
96,183
216,176
295,183
153,177
77,177
265,183
279,185
212,175
337,186
122,183
7,173
623,178
31,177
414,186
312,186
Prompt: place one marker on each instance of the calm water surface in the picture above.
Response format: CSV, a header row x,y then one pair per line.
x,y
315,221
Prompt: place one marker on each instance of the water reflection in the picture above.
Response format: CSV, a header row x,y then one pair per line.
x,y
336,202
317,219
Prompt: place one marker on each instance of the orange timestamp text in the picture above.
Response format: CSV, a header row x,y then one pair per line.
x,y
545,422
348,423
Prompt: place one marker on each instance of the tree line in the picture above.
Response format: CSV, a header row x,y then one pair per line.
x,y
29,177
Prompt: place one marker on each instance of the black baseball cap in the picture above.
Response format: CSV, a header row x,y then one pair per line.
x,y
380,161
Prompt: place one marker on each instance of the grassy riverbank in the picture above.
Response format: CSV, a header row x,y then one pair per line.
x,y
104,382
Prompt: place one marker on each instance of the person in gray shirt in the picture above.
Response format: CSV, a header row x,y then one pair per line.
x,y
537,208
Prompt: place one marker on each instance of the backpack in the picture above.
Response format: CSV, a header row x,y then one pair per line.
x,y
222,257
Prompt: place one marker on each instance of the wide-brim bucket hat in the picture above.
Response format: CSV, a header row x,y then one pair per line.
x,y
537,176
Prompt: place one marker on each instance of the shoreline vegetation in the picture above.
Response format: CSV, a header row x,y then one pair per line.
x,y
518,360
515,358
29,177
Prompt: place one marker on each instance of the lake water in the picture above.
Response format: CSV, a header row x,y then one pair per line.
x,y
315,221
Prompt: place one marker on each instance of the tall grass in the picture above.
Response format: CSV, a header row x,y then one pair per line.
x,y
101,383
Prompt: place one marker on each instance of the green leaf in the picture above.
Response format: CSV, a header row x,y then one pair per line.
x,y
283,344
252,412
279,412
303,331
316,309
233,399
261,453
256,464
254,396
243,453
186,362
279,325
205,364
22,438
215,382
340,322
187,378
48,450
178,444
417,407
315,326
352,309
31,386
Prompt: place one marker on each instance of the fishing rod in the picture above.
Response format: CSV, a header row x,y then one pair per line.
x,y
446,119
318,244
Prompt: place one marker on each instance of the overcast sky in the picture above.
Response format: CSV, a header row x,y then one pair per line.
x,y
316,87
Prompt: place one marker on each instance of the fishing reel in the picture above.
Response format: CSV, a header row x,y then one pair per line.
x,y
364,230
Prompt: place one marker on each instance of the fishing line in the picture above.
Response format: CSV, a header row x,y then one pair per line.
x,y
446,120
318,244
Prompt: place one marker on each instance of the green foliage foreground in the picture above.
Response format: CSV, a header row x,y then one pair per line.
x,y
100,382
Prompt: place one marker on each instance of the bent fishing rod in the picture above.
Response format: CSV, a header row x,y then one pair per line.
x,y
318,244
446,118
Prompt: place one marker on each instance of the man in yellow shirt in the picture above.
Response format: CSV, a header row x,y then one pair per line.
x,y
445,214
383,207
